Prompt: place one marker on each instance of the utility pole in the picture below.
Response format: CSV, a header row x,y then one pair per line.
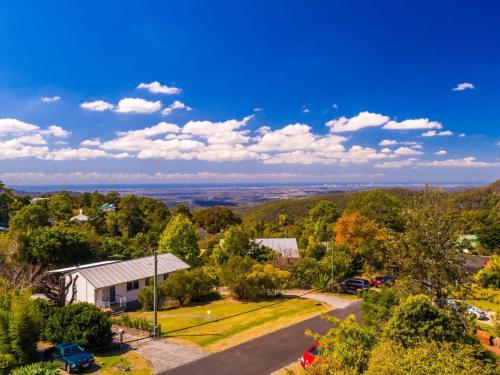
x,y
155,296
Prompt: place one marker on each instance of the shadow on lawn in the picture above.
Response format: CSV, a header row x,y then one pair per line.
x,y
280,299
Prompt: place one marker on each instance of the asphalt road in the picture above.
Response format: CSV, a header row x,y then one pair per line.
x,y
264,354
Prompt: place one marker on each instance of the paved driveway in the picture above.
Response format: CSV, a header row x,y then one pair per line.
x,y
164,355
267,353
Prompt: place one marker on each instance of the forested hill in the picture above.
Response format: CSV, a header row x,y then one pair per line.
x,y
296,209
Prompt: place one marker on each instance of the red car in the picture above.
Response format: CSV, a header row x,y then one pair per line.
x,y
381,280
309,355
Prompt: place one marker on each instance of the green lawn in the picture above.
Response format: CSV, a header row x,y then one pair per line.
x,y
486,299
108,363
218,334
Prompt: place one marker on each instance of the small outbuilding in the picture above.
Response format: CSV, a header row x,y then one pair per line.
x,y
80,217
286,247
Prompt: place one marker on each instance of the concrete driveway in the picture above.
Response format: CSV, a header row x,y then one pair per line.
x,y
163,355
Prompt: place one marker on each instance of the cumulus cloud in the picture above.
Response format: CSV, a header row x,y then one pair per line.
x,y
156,88
50,99
362,120
305,109
440,152
433,133
56,131
388,142
137,105
412,124
14,126
175,106
258,109
407,151
226,132
81,154
463,86
97,105
461,135
91,142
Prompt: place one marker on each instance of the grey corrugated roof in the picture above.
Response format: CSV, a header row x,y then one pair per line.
x,y
129,270
287,247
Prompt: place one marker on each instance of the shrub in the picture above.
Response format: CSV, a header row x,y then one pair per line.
x,y
146,297
6,361
305,272
377,307
81,323
178,286
417,319
46,368
247,279
127,321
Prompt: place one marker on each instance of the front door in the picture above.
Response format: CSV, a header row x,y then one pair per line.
x,y
112,294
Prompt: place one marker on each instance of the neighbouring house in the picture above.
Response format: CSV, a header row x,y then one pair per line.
x,y
286,247
107,207
475,263
80,217
38,199
114,284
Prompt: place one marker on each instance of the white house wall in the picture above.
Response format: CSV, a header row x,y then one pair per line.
x,y
85,291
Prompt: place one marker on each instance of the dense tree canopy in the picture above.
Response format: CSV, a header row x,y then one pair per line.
x,y
216,219
180,239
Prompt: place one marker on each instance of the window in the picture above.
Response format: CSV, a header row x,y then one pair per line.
x,y
132,285
165,276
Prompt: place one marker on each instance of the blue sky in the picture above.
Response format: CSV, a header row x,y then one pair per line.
x,y
249,91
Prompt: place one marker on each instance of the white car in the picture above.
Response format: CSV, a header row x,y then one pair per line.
x,y
480,314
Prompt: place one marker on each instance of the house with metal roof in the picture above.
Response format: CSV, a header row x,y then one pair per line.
x,y
286,247
117,283
107,207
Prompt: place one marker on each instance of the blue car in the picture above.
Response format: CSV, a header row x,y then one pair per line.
x,y
71,357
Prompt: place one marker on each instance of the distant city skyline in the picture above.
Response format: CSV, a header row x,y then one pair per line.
x,y
250,92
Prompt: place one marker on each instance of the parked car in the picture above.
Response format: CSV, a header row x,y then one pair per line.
x,y
71,357
477,312
353,284
381,280
309,355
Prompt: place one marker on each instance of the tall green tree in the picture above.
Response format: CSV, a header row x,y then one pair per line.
x,y
30,217
427,257
180,239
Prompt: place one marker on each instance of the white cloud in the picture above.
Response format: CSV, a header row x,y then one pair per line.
x,y
433,133
56,131
33,139
305,109
50,99
386,150
388,142
335,106
461,135
97,105
467,162
157,88
226,132
290,137
91,142
174,106
407,151
14,126
137,105
463,86
82,154
258,109
362,120
440,152
421,123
